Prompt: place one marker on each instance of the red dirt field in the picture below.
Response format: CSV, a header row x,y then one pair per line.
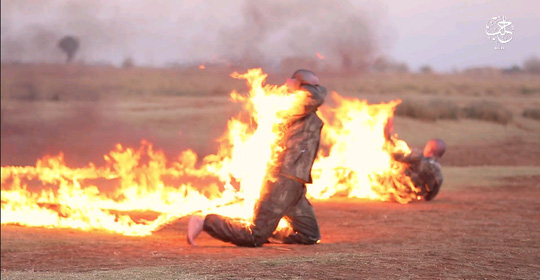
x,y
466,233
515,152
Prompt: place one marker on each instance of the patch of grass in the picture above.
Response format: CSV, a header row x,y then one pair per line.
x,y
439,109
458,178
487,111
414,109
526,90
446,109
168,272
431,110
88,83
532,113
79,82
27,91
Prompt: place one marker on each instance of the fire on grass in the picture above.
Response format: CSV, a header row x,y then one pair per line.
x,y
354,161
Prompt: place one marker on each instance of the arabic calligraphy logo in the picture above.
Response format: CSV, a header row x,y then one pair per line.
x,y
500,29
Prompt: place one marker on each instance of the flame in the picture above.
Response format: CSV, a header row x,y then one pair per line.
x,y
202,67
359,162
320,56
138,191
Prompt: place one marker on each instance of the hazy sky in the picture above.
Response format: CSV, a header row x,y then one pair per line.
x,y
449,34
445,34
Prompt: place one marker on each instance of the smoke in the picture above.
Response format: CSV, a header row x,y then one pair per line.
x,y
31,30
245,33
345,33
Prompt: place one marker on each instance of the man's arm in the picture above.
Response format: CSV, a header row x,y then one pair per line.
x,y
413,157
314,99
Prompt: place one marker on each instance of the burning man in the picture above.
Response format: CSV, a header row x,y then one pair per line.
x,y
286,196
424,168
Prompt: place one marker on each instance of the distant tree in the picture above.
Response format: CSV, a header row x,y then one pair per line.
x,y
426,69
128,63
532,65
511,70
402,68
484,71
380,64
69,45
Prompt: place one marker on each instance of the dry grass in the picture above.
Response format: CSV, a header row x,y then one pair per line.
x,y
149,273
61,82
445,109
487,111
532,113
76,82
432,110
435,84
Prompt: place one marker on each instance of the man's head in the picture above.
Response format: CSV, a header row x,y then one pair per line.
x,y
301,77
435,148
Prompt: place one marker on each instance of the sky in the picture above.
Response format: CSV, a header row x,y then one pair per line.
x,y
445,34
452,34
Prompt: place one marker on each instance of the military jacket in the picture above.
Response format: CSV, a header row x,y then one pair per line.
x,y
302,137
425,174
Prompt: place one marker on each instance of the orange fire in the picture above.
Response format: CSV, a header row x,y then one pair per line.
x,y
320,56
358,162
202,67
354,161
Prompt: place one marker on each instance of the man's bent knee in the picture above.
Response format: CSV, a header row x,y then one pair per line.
x,y
228,230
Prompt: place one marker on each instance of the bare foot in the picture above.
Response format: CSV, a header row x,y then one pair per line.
x,y
195,226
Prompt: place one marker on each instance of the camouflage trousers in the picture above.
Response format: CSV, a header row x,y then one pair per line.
x,y
282,198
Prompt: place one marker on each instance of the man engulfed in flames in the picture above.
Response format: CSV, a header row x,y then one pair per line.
x,y
284,193
423,167
359,158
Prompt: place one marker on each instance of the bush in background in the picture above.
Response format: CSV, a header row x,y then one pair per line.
x,y
439,109
445,109
532,113
416,110
432,110
532,65
426,69
487,111
128,63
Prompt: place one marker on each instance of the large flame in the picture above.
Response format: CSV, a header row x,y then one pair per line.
x,y
138,191
359,159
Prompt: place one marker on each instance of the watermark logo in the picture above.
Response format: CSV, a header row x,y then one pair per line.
x,y
500,30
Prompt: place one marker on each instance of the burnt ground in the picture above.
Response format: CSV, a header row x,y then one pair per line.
x,y
474,233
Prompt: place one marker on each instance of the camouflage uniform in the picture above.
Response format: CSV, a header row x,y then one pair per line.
x,y
286,196
425,173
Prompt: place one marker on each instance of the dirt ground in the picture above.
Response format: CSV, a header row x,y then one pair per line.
x,y
469,233
482,225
